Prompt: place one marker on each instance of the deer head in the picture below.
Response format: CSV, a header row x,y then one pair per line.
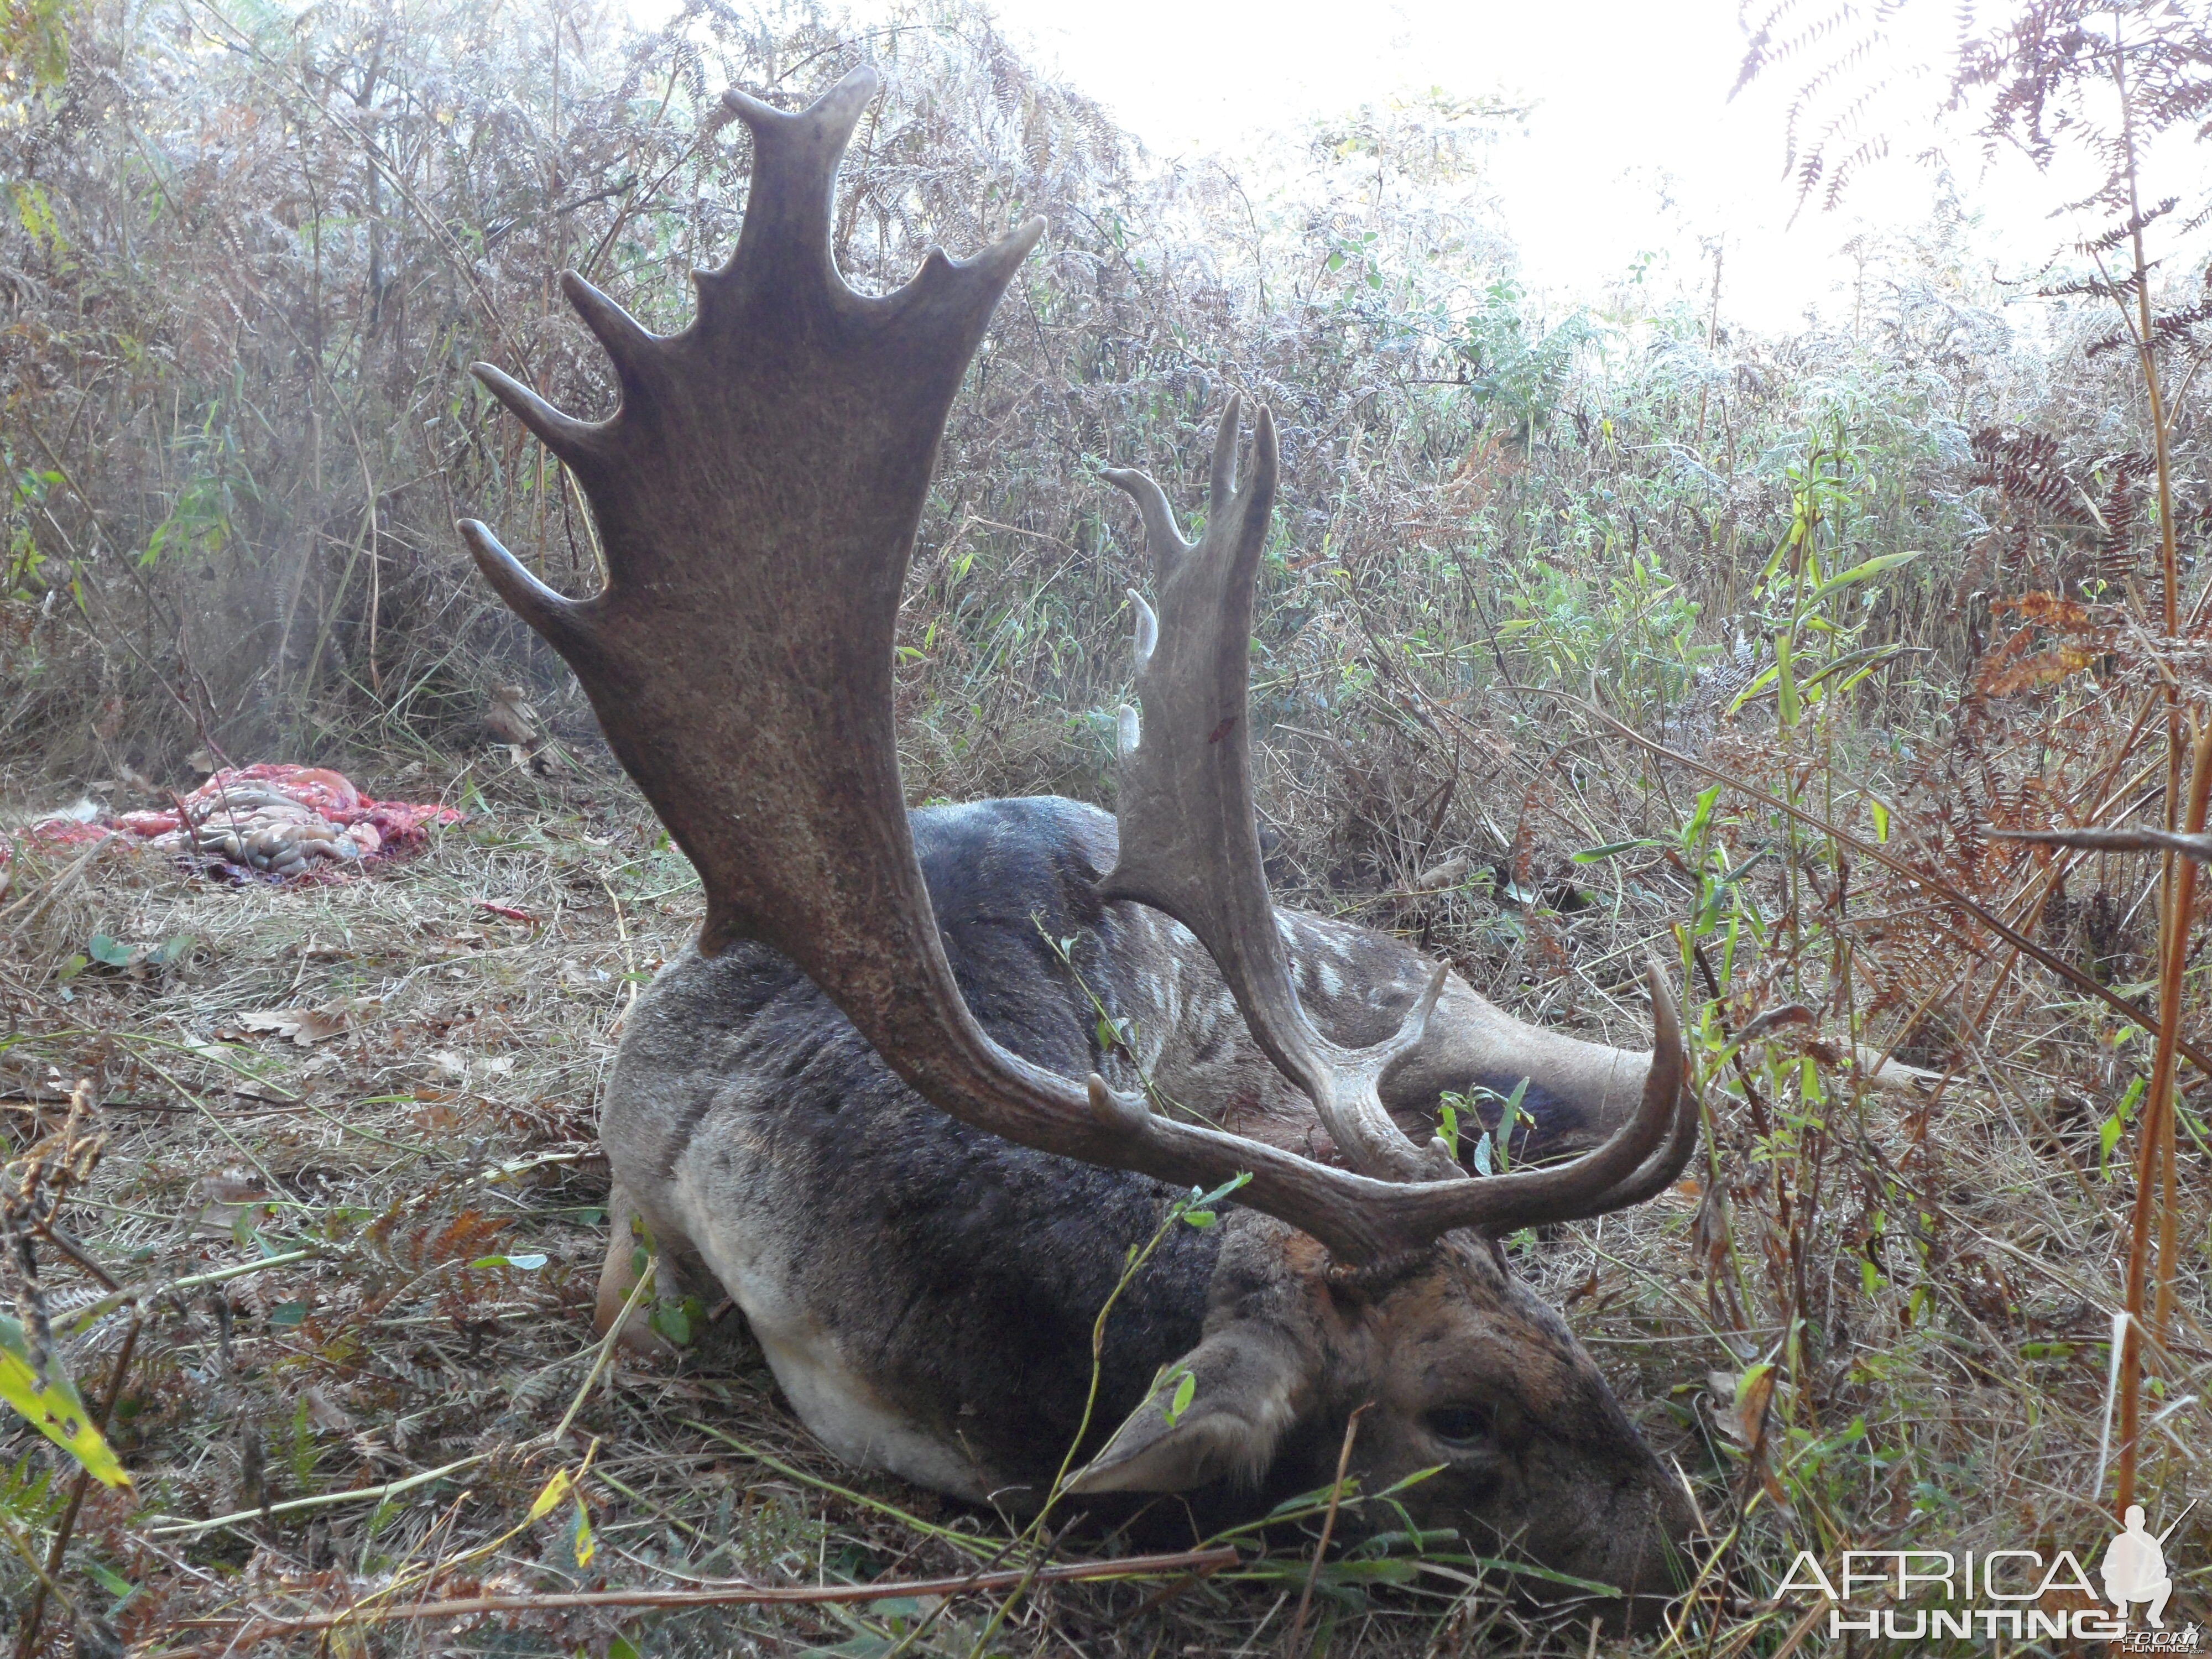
x,y
756,494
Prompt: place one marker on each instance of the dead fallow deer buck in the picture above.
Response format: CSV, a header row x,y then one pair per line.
x,y
875,1103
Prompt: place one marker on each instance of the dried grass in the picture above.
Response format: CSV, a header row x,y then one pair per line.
x,y
452,1120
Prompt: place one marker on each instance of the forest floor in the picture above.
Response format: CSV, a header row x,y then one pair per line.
x,y
368,1377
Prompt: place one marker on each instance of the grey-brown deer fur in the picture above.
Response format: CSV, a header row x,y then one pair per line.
x,y
925,1293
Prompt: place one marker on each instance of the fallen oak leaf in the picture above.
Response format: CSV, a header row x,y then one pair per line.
x,y
1740,1405
219,1202
305,1026
1740,1409
324,1412
1439,877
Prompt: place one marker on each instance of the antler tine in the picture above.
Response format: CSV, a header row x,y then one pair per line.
x,y
1189,841
1641,1159
1147,637
553,615
1657,1173
786,231
628,345
1162,537
784,249
575,443
1221,482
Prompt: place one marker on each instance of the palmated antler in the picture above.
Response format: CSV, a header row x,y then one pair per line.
x,y
1189,839
756,494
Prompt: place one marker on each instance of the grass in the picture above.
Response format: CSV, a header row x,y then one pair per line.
x,y
401,1180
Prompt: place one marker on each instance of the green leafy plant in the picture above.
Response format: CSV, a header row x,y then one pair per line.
x,y
35,1385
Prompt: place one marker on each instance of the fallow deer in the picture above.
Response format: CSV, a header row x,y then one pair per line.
x,y
874,1103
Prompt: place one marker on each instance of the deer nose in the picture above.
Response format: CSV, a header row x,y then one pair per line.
x,y
1651,1558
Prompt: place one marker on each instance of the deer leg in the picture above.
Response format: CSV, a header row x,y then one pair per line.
x,y
618,1277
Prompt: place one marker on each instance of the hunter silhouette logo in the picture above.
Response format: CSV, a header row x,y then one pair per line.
x,y
2135,1567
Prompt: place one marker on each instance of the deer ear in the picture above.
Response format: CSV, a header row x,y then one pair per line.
x,y
1238,1391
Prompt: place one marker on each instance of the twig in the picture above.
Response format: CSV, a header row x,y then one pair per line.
x,y
31,1099
321,1500
2198,847
1327,1530
81,1320
1889,861
739,1595
74,1250
2155,1195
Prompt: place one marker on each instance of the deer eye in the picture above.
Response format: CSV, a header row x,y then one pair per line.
x,y
1460,1426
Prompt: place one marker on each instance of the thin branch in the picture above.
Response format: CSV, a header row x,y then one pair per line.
x,y
1291,1647
1203,1562
2116,840
2147,1023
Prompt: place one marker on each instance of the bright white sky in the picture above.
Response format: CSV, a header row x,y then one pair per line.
x,y
1633,146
